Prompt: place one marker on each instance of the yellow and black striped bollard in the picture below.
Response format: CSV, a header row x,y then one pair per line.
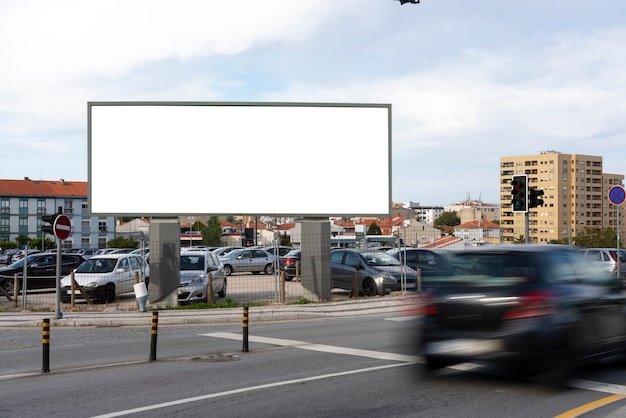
x,y
154,332
245,329
45,368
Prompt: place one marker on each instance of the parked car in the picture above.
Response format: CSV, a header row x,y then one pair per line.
x,y
429,262
195,267
103,277
248,260
5,258
290,262
222,251
377,272
121,251
22,253
529,307
41,271
281,249
87,252
606,259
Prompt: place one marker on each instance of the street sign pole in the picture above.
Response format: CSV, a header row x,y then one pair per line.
x,y
62,228
617,195
59,313
526,228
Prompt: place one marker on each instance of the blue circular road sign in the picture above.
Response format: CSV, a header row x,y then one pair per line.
x,y
617,195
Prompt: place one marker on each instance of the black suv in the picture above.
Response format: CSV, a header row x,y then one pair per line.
x,y
41,271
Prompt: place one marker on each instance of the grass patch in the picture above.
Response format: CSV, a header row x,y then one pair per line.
x,y
228,303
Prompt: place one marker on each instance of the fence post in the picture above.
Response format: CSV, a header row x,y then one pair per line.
x,y
282,287
45,368
354,292
16,288
210,296
419,280
245,329
298,271
136,281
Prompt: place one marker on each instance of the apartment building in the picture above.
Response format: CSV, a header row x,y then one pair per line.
x,y
575,196
23,202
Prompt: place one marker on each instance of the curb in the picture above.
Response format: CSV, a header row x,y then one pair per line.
x,y
270,313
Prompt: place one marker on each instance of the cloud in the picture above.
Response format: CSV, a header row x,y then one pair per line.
x,y
468,81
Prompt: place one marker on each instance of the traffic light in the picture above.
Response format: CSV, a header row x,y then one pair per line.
x,y
48,219
533,201
519,194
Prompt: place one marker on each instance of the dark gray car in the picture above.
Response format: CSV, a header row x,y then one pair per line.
x,y
376,272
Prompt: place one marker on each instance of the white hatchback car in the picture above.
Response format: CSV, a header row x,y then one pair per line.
x,y
103,277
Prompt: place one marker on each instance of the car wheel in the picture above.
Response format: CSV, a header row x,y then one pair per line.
x,y
222,292
369,287
107,293
228,270
269,269
288,278
7,286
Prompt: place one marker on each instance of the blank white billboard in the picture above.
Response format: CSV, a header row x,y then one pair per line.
x,y
210,158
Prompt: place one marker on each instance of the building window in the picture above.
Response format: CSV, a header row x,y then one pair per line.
x,y
68,206
85,223
102,226
85,241
41,207
5,206
5,225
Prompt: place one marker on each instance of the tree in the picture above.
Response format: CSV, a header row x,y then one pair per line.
x,y
212,232
449,218
285,239
121,242
47,243
374,229
596,238
22,240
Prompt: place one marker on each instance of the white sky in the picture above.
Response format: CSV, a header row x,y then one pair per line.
x,y
469,81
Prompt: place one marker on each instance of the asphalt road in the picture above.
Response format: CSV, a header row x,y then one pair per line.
x,y
357,366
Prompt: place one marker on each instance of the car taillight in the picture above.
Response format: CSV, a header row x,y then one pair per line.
x,y
532,304
289,261
613,255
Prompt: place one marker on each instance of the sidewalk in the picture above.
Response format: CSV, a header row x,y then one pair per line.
x,y
276,312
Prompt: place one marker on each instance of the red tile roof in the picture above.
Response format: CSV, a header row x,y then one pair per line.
x,y
445,241
43,188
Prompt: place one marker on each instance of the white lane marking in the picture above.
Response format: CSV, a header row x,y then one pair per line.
x,y
597,386
402,318
243,390
380,355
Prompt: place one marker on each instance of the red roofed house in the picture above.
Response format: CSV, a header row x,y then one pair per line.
x,y
478,232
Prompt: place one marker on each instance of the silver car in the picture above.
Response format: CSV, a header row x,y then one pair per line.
x,y
607,260
195,267
248,260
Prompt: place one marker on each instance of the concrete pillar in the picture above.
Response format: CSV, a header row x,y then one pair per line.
x,y
164,261
315,264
